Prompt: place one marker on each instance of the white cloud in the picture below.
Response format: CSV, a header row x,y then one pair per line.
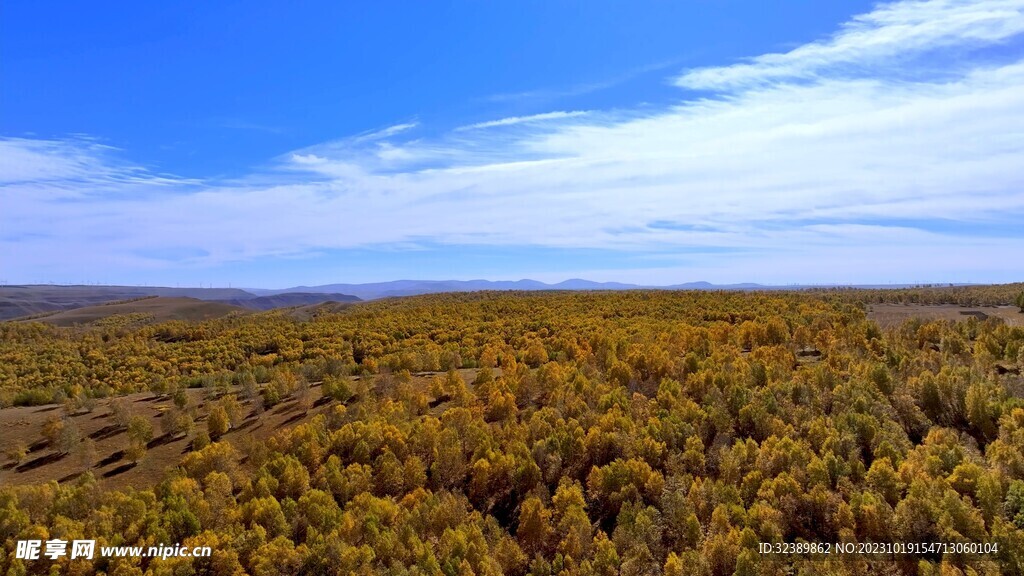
x,y
28,160
386,132
826,163
513,120
893,31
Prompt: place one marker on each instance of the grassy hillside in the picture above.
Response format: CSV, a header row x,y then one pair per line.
x,y
143,310
28,300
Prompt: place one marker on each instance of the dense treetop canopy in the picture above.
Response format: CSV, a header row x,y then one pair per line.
x,y
603,433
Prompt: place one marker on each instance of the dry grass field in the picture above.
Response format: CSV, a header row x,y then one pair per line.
x,y
156,309
887,315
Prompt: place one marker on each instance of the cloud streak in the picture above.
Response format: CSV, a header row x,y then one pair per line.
x,y
897,31
805,166
513,120
386,132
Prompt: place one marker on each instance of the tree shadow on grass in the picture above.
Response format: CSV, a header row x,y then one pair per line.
x,y
41,461
120,469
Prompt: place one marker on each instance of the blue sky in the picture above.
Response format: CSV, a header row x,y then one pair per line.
x,y
253,144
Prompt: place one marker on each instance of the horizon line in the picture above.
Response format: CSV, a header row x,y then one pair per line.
x,y
626,285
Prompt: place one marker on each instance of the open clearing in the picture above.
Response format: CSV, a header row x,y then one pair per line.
x,y
888,315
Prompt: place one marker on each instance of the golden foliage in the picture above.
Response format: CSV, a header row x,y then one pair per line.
x,y
633,432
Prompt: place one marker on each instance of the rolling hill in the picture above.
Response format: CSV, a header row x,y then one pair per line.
x,y
151,309
290,299
17,302
26,300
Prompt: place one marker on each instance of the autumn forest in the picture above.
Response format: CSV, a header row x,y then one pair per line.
x,y
541,433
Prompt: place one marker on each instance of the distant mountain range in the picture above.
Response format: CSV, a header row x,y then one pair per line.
x,y
376,290
289,299
27,300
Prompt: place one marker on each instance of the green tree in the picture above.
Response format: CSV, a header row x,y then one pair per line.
x,y
86,452
534,526
61,433
135,452
67,436
121,411
17,452
217,422
158,385
175,422
337,388
140,432
1015,503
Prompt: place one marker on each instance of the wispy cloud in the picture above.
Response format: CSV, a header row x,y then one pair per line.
x,y
551,94
388,132
77,165
896,31
513,120
825,163
30,160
